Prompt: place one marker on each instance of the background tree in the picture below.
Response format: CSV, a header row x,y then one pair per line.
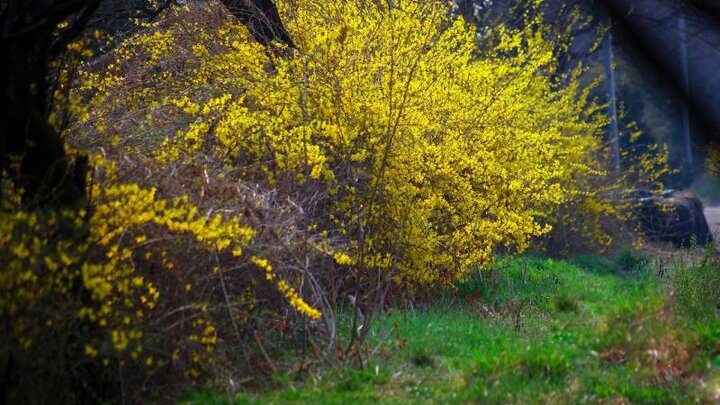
x,y
31,150
648,64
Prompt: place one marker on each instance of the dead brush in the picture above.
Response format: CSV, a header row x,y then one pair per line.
x,y
244,307
234,295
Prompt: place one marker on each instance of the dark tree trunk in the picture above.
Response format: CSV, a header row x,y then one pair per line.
x,y
262,19
32,152
466,9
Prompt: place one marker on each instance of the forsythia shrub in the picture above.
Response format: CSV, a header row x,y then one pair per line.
x,y
428,156
385,143
112,286
97,300
72,276
603,217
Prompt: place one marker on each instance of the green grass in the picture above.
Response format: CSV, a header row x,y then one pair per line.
x,y
587,330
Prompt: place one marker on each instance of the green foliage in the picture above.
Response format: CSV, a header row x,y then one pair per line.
x,y
630,260
565,303
696,282
622,345
423,359
626,260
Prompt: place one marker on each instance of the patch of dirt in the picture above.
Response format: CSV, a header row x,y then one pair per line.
x,y
615,356
712,215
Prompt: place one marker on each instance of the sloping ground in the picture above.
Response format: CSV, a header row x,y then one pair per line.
x,y
590,330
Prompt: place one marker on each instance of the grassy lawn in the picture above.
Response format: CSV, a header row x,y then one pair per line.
x,y
587,330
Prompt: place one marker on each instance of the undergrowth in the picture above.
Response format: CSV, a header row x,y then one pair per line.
x,y
532,330
696,282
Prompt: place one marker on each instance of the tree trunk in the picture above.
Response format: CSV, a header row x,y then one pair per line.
x,y
612,103
262,19
685,77
32,152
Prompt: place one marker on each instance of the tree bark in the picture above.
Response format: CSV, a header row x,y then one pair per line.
x,y
262,19
612,103
32,152
684,71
